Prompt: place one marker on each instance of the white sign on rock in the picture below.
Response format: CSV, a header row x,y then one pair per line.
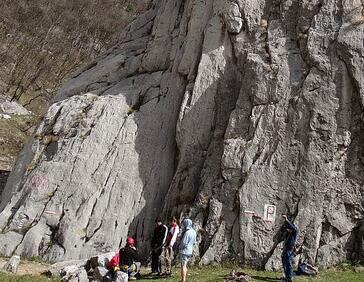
x,y
269,213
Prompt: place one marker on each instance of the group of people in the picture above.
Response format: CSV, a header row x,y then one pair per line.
x,y
163,249
163,243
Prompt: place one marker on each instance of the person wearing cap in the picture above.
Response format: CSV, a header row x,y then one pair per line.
x,y
129,259
158,240
291,232
186,246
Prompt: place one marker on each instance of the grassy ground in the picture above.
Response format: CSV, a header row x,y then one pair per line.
x,y
24,278
218,273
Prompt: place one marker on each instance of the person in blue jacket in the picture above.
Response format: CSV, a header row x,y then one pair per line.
x,y
288,248
186,246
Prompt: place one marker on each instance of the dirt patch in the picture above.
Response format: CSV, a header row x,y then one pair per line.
x,y
28,267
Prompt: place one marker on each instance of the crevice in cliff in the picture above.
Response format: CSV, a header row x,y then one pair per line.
x,y
88,238
355,150
111,151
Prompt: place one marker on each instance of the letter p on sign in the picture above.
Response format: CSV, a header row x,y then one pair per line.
x,y
269,213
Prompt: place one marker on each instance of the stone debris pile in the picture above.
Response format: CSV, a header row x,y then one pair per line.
x,y
93,269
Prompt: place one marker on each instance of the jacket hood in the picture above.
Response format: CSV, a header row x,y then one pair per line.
x,y
187,223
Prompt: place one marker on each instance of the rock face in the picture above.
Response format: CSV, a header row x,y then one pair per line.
x,y
12,265
207,109
3,178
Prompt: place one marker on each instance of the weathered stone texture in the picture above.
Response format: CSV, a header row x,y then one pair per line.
x,y
3,178
204,108
12,265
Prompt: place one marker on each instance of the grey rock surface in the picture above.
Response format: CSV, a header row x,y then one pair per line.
x,y
12,265
75,275
101,260
11,107
204,109
3,178
121,277
99,273
58,269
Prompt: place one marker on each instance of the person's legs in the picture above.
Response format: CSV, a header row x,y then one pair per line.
x,y
289,266
285,263
134,269
287,258
159,264
154,261
183,273
184,261
169,258
162,259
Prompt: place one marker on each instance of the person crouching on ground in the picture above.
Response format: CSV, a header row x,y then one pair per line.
x,y
158,240
186,246
129,259
167,253
288,248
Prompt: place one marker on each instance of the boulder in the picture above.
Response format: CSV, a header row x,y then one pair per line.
x,y
99,273
359,269
65,267
12,264
121,277
69,270
11,107
80,275
101,260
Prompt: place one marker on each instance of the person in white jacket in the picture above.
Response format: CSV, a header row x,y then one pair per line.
x,y
167,254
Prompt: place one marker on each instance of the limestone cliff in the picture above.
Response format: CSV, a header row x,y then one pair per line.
x,y
206,108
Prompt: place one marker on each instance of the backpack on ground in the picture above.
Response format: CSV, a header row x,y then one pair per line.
x,y
306,269
114,262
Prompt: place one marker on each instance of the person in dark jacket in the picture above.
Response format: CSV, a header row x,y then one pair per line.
x,y
129,259
158,240
288,248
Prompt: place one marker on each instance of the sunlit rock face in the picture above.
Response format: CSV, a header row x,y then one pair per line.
x,y
206,109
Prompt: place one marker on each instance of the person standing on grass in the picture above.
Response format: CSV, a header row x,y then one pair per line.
x,y
288,248
158,240
186,246
168,253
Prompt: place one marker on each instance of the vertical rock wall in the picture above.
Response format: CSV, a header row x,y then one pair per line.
x,y
206,108
3,178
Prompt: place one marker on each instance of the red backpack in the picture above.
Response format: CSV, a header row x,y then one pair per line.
x,y
114,262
